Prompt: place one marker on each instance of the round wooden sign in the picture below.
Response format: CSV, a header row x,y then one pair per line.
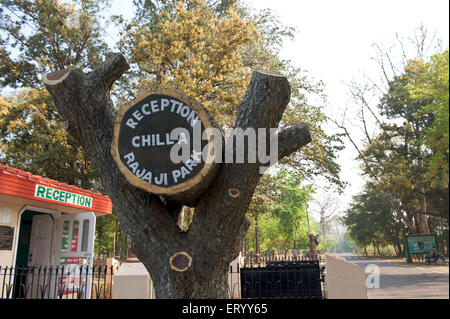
x,y
160,145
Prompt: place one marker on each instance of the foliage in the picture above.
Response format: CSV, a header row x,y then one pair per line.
x,y
33,138
348,245
38,37
193,49
270,236
282,222
291,210
370,221
42,36
400,156
109,241
430,84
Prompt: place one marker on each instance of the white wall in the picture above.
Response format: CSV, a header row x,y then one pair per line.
x,y
344,280
132,281
9,216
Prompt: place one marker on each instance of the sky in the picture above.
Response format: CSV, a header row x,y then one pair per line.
x,y
334,43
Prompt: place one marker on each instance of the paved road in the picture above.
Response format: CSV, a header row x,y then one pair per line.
x,y
399,281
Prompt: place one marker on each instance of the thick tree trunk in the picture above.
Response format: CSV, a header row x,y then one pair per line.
x,y
219,225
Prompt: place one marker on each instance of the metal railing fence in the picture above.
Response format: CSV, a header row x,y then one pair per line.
x,y
70,281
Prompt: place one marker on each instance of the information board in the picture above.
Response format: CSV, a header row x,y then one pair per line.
x,y
6,237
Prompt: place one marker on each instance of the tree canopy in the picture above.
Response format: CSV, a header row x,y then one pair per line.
x,y
405,157
39,37
34,139
207,49
430,84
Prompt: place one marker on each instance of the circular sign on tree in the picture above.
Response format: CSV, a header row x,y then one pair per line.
x,y
161,144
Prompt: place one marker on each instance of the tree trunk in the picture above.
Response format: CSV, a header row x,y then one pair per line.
x,y
116,240
423,217
215,236
256,236
399,248
378,250
99,239
396,251
313,246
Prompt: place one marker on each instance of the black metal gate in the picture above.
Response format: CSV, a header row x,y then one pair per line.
x,y
302,279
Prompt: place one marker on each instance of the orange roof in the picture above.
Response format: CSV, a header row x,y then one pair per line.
x,y
15,182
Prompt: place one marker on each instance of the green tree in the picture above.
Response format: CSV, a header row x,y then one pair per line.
x,y
190,47
348,244
271,237
39,37
266,195
278,215
370,221
33,138
430,83
399,155
395,154
291,211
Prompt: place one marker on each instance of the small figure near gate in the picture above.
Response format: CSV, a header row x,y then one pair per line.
x,y
314,240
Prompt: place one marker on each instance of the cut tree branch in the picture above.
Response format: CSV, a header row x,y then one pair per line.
x,y
108,72
292,139
264,102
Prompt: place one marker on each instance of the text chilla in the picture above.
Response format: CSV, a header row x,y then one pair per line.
x,y
162,105
151,140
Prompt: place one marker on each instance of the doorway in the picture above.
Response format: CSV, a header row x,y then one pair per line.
x,y
34,243
54,254
35,233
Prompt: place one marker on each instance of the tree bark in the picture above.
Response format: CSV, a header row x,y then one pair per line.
x,y
256,236
215,236
400,249
423,218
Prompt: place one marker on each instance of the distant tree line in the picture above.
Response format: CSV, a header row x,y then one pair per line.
x,y
405,156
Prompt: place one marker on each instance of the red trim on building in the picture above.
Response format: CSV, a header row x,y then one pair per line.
x,y
15,182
